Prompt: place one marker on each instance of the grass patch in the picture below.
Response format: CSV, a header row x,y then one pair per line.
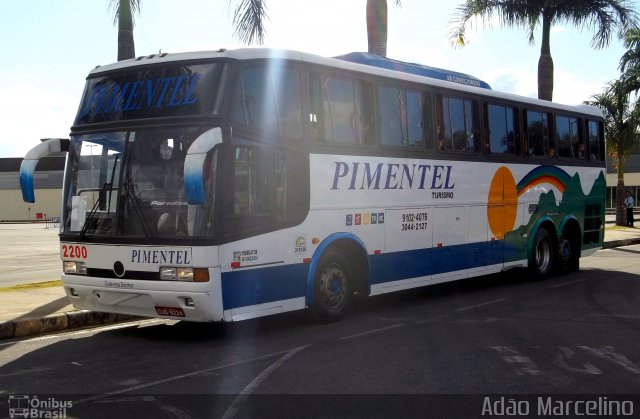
x,y
21,287
615,227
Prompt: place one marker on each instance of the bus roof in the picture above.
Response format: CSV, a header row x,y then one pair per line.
x,y
354,62
413,68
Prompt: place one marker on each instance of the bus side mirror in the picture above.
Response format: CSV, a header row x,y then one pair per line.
x,y
194,165
30,161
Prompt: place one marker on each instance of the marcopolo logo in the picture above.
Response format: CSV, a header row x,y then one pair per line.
x,y
23,406
301,245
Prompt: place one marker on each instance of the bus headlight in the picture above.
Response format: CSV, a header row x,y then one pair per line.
x,y
74,268
184,274
169,273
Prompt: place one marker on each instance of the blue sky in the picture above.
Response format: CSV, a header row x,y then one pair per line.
x,y
48,47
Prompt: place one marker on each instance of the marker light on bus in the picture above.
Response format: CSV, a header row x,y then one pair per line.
x,y
169,273
74,268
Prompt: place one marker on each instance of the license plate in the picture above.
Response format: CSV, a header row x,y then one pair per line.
x,y
170,311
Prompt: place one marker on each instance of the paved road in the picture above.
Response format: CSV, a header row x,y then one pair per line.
x,y
570,335
29,253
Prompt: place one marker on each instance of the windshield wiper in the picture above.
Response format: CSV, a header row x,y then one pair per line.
x,y
107,187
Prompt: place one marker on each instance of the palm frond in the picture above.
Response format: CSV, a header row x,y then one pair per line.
x,y
114,7
602,17
631,58
249,18
510,13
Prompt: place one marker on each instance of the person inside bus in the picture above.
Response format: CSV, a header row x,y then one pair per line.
x,y
580,153
170,222
441,143
526,151
461,141
551,152
487,140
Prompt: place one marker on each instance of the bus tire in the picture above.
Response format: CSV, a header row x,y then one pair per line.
x,y
568,252
542,254
332,288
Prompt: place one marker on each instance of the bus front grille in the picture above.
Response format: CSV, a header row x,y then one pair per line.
x,y
108,273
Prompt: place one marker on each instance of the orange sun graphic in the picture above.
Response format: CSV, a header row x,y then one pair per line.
x,y
503,202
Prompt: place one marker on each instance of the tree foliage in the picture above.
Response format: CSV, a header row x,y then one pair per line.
x,y
250,15
622,131
249,21
602,17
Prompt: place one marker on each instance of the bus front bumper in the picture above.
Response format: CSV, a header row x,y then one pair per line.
x,y
144,298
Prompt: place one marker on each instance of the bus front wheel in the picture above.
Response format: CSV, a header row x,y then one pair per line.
x,y
332,288
542,253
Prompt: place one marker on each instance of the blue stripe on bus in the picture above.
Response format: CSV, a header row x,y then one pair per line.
x,y
397,266
264,285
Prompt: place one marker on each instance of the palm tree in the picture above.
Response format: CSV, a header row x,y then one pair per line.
x,y
602,16
630,61
124,11
622,122
377,26
250,15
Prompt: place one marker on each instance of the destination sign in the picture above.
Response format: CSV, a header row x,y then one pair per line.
x,y
138,93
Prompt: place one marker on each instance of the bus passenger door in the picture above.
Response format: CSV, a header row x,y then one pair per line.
x,y
480,244
488,249
451,253
408,241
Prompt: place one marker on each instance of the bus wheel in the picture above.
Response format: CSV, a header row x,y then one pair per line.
x,y
332,288
542,256
569,253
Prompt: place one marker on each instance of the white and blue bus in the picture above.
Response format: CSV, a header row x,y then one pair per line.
x,y
228,185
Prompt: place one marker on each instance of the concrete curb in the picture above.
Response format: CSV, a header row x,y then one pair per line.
x,y
619,243
58,323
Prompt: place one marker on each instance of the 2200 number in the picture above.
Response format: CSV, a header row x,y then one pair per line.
x,y
74,251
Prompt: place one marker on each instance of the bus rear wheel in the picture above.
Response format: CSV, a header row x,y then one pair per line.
x,y
542,254
332,288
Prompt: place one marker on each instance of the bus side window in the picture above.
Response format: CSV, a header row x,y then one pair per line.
x,y
400,117
392,116
250,181
457,126
596,142
316,125
499,135
570,143
339,111
416,119
290,186
268,99
367,117
537,130
267,188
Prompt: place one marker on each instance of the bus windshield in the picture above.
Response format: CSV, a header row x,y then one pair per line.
x,y
142,195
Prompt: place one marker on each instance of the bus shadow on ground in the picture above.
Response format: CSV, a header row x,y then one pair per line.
x,y
292,322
